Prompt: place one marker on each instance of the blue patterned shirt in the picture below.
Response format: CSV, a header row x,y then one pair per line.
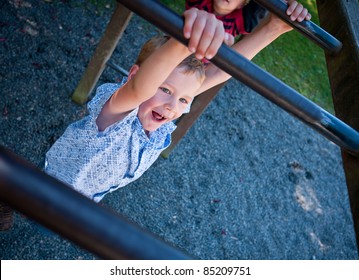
x,y
96,163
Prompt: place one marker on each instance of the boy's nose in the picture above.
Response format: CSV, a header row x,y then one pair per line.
x,y
171,108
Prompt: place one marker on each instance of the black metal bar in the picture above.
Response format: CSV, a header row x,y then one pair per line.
x,y
308,28
256,78
62,209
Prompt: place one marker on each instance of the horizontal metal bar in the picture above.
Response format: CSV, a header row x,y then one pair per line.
x,y
256,78
308,28
62,209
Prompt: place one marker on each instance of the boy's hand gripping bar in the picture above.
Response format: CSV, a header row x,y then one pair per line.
x,y
309,29
256,78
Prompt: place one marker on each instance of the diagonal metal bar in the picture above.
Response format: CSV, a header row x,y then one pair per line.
x,y
308,28
256,78
62,209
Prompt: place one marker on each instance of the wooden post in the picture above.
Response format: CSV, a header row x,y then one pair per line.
x,y
103,52
340,18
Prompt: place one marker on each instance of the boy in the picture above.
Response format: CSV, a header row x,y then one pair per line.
x,y
130,124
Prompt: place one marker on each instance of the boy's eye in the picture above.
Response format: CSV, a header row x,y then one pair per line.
x,y
165,90
183,100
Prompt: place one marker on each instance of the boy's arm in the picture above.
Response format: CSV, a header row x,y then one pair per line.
x,y
268,30
248,46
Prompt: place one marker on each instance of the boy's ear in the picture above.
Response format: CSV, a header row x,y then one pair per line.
x,y
133,71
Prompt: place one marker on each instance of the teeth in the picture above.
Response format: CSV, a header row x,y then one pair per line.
x,y
158,116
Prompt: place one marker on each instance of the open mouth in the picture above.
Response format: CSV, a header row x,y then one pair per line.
x,y
158,116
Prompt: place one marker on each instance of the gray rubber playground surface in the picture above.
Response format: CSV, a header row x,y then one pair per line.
x,y
248,181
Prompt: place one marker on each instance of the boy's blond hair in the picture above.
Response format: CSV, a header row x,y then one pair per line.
x,y
190,65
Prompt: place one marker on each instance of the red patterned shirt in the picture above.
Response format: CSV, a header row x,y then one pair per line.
x,y
240,21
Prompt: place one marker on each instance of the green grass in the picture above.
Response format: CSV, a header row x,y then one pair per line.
x,y
176,5
293,59
300,63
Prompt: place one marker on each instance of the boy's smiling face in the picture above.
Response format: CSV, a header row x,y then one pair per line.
x,y
224,7
170,101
